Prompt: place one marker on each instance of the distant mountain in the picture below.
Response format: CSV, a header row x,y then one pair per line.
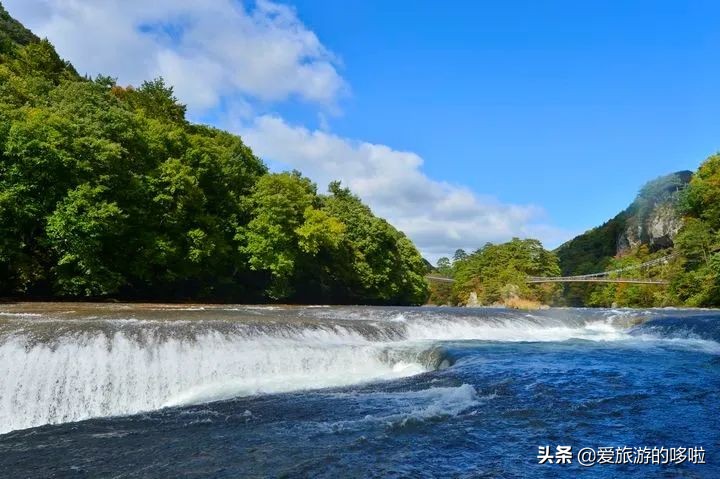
x,y
652,219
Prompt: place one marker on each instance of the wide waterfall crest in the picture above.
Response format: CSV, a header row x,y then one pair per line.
x,y
115,360
93,375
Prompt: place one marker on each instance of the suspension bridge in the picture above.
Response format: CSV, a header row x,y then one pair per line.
x,y
611,276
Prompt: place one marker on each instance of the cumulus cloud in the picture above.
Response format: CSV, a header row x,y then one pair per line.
x,y
438,216
207,49
225,57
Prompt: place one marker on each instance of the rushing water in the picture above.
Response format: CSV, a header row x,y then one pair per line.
x,y
220,391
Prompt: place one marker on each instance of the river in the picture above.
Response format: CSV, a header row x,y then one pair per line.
x,y
130,391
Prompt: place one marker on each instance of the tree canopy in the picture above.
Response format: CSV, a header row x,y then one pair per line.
x,y
109,191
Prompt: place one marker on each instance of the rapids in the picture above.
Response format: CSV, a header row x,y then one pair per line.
x,y
388,369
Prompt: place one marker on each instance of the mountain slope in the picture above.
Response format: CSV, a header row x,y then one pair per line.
x,y
649,224
652,219
13,31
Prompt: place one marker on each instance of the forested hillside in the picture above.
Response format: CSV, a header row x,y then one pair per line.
x,y
693,270
108,191
639,233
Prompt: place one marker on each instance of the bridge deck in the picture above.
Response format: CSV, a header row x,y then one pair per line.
x,y
591,278
597,280
569,279
442,279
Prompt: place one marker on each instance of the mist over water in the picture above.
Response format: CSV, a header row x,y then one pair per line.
x,y
380,376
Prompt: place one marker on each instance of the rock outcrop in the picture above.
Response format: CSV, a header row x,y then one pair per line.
x,y
653,219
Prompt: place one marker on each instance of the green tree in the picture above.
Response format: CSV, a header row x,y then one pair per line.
x,y
383,264
459,255
698,242
444,266
83,230
288,230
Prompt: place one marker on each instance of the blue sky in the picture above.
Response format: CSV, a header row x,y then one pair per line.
x,y
461,122
571,105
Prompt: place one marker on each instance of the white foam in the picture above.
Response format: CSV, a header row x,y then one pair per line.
x,y
688,343
437,402
91,375
413,406
512,331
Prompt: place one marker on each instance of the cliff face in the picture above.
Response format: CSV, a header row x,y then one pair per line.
x,y
652,219
658,232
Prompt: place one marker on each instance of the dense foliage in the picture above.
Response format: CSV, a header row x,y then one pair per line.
x,y
108,191
497,274
698,242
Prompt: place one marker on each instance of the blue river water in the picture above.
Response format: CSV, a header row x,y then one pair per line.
x,y
228,392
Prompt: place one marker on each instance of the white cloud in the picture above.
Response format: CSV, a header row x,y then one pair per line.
x,y
220,52
438,216
208,49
